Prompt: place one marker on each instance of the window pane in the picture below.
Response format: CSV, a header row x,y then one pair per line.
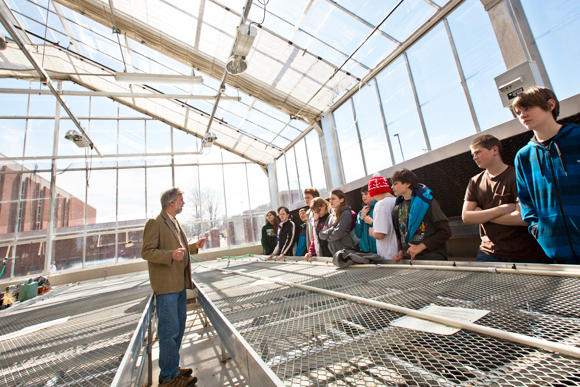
x,y
284,195
293,176
131,136
101,249
352,163
556,28
158,137
68,253
372,132
104,135
401,111
302,161
12,137
481,61
236,189
32,209
348,142
315,160
70,202
131,195
39,138
102,195
443,102
186,178
158,180
259,188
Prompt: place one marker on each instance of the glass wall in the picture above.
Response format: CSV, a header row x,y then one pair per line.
x,y
438,91
101,204
556,28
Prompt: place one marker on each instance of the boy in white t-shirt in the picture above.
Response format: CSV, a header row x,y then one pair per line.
x,y
383,229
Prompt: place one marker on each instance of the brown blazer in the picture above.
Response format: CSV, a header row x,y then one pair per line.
x,y
160,239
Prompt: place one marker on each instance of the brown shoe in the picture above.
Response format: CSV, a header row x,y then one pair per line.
x,y
181,381
182,372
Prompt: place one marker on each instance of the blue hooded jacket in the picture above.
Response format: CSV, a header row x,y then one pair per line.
x,y
361,230
420,202
548,181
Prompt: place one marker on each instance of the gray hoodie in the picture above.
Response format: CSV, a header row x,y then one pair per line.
x,y
335,234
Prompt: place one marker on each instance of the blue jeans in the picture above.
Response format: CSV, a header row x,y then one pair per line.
x,y
172,313
482,257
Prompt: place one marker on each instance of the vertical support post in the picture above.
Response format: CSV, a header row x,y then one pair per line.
x,y
223,353
514,35
330,153
52,192
150,350
273,185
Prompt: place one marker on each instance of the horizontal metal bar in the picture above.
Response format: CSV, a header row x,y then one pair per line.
x,y
117,94
124,375
80,118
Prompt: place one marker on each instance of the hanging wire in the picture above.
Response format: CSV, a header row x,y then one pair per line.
x,y
264,4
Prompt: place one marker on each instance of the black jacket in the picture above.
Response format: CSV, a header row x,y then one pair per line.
x,y
286,238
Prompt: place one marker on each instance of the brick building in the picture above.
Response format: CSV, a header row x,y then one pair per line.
x,y
24,206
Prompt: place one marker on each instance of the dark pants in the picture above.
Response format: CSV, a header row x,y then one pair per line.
x,y
172,313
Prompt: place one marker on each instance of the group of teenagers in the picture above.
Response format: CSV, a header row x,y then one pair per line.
x,y
527,213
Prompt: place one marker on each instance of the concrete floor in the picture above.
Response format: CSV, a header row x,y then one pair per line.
x,y
200,350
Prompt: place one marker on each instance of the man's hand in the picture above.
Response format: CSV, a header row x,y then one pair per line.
x,y
200,243
368,220
271,256
178,254
308,256
281,256
415,249
399,257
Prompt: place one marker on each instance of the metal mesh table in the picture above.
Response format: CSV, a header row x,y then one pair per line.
x,y
87,349
311,339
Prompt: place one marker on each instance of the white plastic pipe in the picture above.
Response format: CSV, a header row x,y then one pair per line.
x,y
498,333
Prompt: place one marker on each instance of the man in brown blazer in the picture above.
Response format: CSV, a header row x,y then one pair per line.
x,y
166,249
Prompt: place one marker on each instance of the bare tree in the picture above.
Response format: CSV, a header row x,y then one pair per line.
x,y
207,206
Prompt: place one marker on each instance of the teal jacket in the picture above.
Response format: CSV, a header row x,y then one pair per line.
x,y
367,243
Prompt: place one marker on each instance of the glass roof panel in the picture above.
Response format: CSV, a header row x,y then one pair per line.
x,y
409,16
334,27
372,11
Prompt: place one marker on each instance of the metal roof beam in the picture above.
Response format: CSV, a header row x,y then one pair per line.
x,y
117,94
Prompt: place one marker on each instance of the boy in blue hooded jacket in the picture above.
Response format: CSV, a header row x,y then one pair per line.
x,y
548,176
364,222
422,228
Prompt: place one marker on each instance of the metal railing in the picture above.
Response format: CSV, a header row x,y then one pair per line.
x,y
144,330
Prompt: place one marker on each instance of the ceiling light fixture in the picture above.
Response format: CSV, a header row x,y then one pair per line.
x,y
244,39
157,78
76,137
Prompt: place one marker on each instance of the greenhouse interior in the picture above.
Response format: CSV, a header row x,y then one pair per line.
x,y
249,106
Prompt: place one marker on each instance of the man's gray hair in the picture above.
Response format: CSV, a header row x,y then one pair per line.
x,y
170,196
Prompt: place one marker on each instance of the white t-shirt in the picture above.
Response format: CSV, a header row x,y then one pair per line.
x,y
383,223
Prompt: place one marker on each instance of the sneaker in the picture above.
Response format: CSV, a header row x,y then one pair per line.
x,y
180,381
182,372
